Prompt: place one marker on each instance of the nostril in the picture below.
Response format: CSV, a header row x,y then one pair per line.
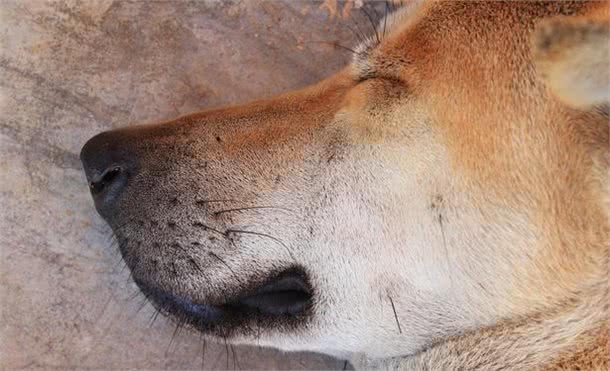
x,y
106,178
109,162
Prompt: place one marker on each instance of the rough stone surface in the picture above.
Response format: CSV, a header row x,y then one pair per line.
x,y
70,69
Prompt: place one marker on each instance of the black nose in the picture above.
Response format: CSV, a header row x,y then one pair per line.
x,y
108,166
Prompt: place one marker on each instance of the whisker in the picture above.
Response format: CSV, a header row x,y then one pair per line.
x,y
361,34
226,352
377,16
204,202
203,344
237,360
133,295
385,18
234,356
262,235
390,4
154,316
372,24
197,266
337,45
208,228
141,305
225,264
129,277
176,333
395,315
123,266
109,238
355,33
440,223
251,208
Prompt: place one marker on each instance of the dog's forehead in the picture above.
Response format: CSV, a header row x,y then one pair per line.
x,y
408,41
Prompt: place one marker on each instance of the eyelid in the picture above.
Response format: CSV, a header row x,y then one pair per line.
x,y
374,76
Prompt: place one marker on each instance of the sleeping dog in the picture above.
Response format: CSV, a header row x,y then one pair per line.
x,y
440,203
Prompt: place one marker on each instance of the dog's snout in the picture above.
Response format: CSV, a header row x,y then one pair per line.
x,y
108,165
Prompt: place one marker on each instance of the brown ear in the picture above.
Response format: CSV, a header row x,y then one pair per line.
x,y
573,56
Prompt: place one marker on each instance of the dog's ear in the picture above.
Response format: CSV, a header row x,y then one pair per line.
x,y
572,54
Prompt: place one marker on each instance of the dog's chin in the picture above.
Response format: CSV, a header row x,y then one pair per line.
x,y
283,301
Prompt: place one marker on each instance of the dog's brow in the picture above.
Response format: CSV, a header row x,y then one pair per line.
x,y
363,67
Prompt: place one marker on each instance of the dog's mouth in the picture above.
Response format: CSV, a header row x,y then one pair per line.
x,y
285,298
285,295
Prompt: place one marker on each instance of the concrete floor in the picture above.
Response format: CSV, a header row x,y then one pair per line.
x,y
70,69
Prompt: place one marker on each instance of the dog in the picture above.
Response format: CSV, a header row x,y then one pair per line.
x,y
440,203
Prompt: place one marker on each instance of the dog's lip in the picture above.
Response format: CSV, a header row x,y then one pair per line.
x,y
287,294
171,303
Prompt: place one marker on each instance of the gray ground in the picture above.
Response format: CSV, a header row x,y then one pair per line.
x,y
71,69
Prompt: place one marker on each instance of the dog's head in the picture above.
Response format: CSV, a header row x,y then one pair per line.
x,y
433,186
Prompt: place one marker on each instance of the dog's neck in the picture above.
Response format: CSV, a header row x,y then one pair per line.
x,y
571,336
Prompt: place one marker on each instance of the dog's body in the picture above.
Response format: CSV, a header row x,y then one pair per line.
x,y
442,203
